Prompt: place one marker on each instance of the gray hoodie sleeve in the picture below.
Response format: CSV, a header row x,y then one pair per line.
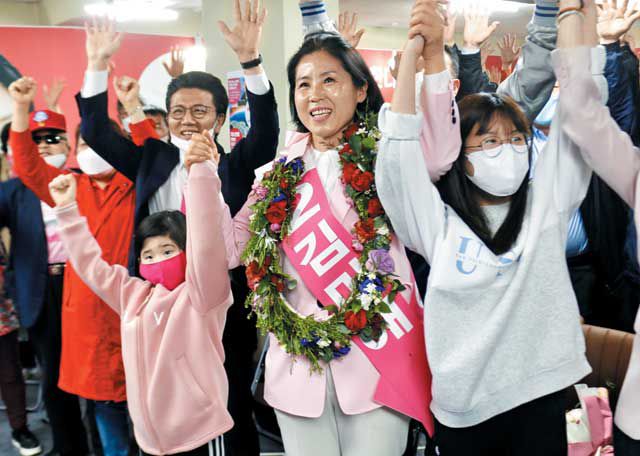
x,y
531,84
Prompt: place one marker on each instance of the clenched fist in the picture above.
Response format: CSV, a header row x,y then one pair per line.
x,y
201,148
63,189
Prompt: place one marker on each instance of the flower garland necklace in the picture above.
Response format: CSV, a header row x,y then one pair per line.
x,y
360,314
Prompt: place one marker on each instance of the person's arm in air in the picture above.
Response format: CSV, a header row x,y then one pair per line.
x,y
532,81
410,199
477,31
128,92
102,42
583,115
260,145
207,274
111,283
34,172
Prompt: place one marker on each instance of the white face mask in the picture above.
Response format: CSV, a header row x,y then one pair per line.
x,y
183,144
503,174
126,124
57,160
91,163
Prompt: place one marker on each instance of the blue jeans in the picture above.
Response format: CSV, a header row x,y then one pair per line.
x,y
113,427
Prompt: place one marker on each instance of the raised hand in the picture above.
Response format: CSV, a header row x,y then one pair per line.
x,y
201,148
23,91
63,189
348,28
176,65
509,50
486,50
102,42
450,29
613,21
495,75
246,35
477,29
128,92
52,95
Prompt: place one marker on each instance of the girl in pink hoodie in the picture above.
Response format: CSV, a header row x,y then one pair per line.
x,y
171,323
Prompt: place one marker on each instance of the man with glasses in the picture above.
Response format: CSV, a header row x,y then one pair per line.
x,y
195,102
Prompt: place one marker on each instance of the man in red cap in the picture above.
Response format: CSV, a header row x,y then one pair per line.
x,y
35,284
49,132
91,359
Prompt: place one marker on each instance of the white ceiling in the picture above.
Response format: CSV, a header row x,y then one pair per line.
x,y
395,13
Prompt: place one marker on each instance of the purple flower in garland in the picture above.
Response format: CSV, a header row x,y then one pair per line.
x,y
309,343
297,165
282,160
368,285
381,260
260,192
281,197
340,352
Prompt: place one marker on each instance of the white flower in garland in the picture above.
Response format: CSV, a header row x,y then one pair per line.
x,y
365,300
323,343
383,230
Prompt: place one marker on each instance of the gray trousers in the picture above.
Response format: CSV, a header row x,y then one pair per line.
x,y
381,432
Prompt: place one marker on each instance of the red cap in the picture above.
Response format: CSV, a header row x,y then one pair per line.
x,y
46,120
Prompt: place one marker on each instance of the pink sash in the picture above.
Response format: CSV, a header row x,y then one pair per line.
x,y
319,247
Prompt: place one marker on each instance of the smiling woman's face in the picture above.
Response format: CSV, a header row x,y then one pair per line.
x,y
325,98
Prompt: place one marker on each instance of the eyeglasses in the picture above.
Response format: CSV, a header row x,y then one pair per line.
x,y
197,111
491,146
49,139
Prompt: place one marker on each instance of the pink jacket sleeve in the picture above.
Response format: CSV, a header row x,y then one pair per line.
x,y
440,136
207,250
111,283
587,121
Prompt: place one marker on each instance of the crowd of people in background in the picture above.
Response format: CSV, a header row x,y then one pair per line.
x,y
470,227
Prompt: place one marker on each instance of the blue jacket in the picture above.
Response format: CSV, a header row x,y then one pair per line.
x,y
26,276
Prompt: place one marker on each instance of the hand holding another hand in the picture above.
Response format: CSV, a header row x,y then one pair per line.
x,y
201,148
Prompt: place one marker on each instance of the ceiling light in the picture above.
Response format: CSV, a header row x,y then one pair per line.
x,y
133,10
491,6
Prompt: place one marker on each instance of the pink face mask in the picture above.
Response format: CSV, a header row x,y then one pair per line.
x,y
168,273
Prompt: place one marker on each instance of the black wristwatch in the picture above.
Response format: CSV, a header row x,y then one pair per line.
x,y
251,63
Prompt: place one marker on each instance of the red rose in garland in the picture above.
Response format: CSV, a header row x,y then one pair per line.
x,y
255,274
348,170
350,131
278,282
347,149
277,212
361,181
365,230
374,208
284,184
355,321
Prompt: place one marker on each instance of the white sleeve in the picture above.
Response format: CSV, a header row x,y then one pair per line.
x,y
95,82
257,84
411,201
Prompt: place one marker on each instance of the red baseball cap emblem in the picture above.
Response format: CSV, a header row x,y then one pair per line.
x,y
47,120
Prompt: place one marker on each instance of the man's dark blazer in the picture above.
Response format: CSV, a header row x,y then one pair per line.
x,y
150,165
26,275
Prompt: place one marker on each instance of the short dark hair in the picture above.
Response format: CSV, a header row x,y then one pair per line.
x,y
351,61
165,223
4,137
455,61
153,111
461,194
203,81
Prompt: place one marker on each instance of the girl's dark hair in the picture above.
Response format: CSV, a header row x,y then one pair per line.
x,y
461,194
353,64
165,223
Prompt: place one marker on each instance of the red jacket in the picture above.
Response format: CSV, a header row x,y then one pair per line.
x,y
91,362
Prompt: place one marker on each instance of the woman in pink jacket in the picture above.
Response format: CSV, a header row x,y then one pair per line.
x,y
172,322
331,284
608,150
